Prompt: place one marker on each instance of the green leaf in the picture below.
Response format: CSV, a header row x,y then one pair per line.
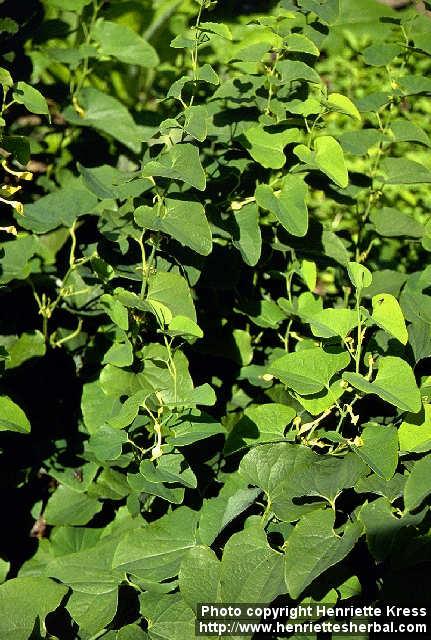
x,y
262,423
383,281
343,104
251,571
195,122
203,395
142,486
218,28
387,314
107,443
415,84
359,275
265,313
182,163
328,476
192,427
334,247
7,25
66,506
97,406
267,148
288,205
31,98
28,345
18,146
333,322
327,156
183,220
300,42
406,131
23,601
415,431
96,183
76,478
309,273
206,73
404,171
267,465
391,489
246,233
276,469
254,44
217,513
92,612
128,410
169,617
420,339
119,354
374,101
5,78
390,222
182,326
170,468
116,311
171,290
155,551
378,448
68,5
111,484
106,182
131,632
93,602
14,258
359,142
242,349
384,530
314,547
395,383
310,370
329,159
4,569
12,417
116,382
421,41
121,42
199,576
317,403
328,11
292,70
108,115
418,486
350,588
380,54
60,208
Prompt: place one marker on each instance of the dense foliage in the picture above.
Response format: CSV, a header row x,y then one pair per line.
x,y
216,311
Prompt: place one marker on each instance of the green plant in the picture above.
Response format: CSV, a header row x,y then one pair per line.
x,y
217,311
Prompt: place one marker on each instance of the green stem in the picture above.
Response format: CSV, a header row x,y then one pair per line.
x,y
72,335
45,326
72,258
153,253
99,634
271,74
266,513
158,23
374,194
76,83
144,283
359,332
171,366
194,54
